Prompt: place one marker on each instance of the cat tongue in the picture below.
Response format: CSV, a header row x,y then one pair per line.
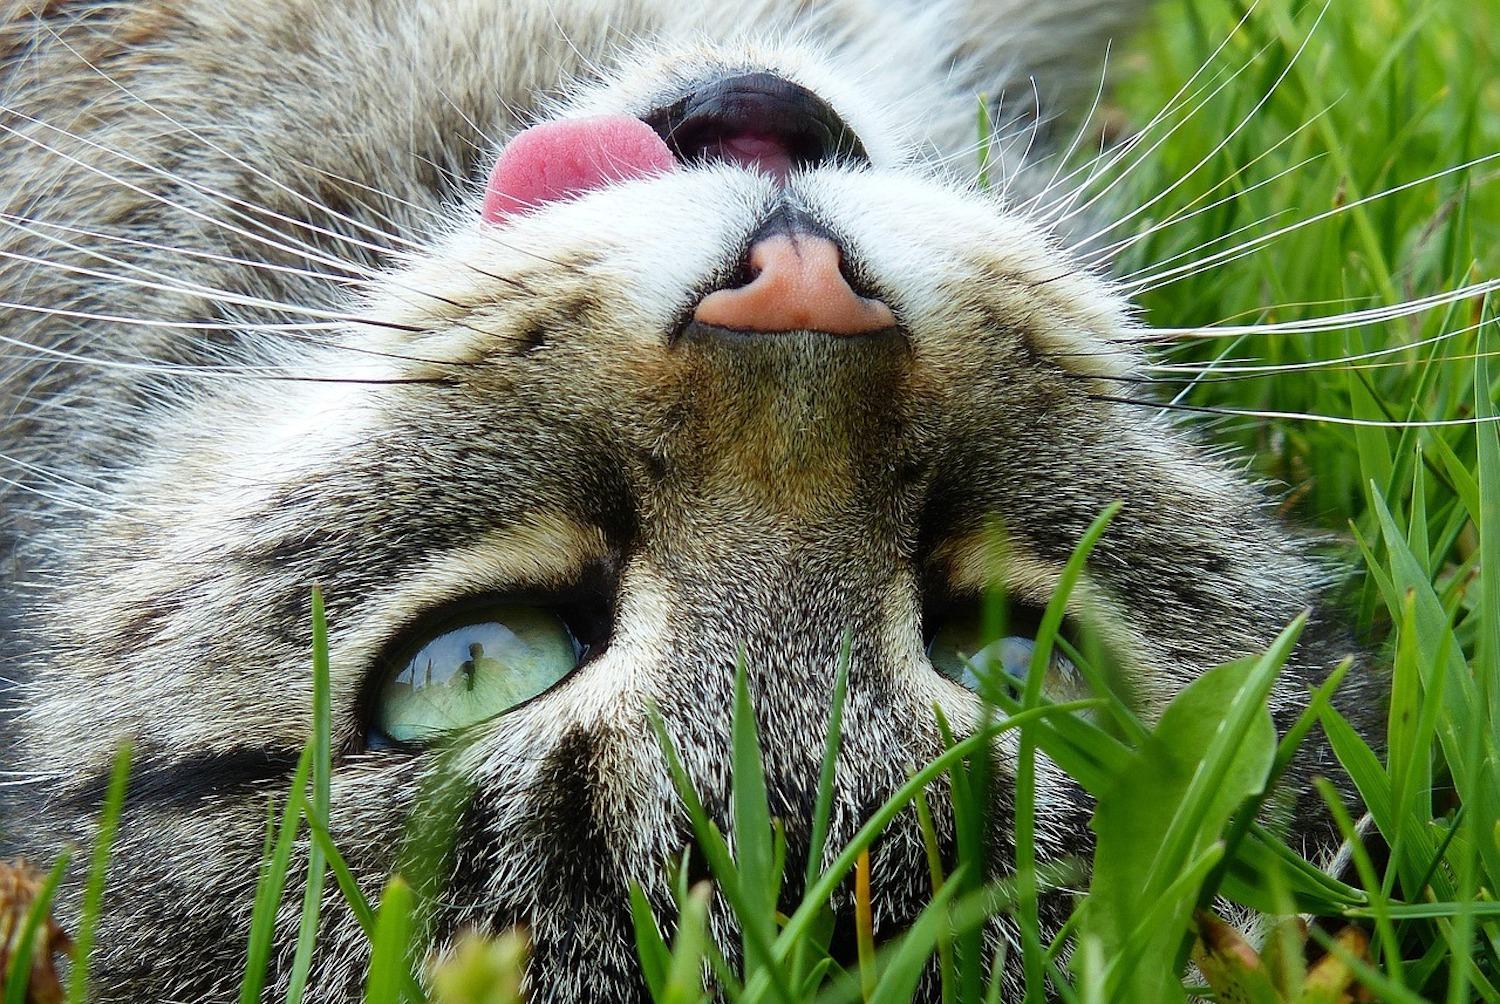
x,y
559,159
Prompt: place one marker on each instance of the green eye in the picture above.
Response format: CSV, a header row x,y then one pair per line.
x,y
472,668
964,641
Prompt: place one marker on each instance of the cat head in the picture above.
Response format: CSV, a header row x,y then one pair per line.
x,y
550,492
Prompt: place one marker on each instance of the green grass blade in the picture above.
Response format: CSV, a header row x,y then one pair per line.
x,y
272,882
1033,952
650,947
798,924
684,976
348,886
322,767
751,825
390,973
760,955
93,893
17,976
823,806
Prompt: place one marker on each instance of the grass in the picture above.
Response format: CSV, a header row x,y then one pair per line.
x,y
1379,95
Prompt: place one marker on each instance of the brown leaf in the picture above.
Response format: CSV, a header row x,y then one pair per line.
x,y
19,886
1331,981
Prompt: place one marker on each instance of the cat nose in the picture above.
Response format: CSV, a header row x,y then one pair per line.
x,y
796,285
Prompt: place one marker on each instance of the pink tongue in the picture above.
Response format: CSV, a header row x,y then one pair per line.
x,y
556,160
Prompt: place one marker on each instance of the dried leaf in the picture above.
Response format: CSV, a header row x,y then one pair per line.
x,y
19,886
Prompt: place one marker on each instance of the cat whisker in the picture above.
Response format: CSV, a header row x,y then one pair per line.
x,y
1138,283
1244,121
1301,416
1066,156
1216,239
68,501
1329,322
1031,134
1183,99
195,289
1267,369
1188,212
379,250
238,161
305,250
1105,160
236,371
209,293
225,259
494,143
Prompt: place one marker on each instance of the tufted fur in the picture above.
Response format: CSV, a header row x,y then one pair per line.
x,y
285,354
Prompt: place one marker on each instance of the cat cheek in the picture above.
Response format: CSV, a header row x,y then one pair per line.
x,y
556,160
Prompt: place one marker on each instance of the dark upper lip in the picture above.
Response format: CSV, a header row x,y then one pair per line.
x,y
696,126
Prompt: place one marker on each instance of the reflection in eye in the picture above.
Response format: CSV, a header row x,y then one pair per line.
x,y
472,669
962,644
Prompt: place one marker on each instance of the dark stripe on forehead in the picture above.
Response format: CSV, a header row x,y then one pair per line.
x,y
178,783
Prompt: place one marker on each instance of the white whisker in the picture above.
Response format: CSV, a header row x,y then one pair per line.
x,y
1160,279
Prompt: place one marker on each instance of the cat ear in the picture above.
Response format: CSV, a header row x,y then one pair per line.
x,y
556,160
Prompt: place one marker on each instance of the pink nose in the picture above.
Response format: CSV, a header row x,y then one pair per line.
x,y
797,286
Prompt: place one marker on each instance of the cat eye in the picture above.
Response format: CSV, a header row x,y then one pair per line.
x,y
970,640
488,659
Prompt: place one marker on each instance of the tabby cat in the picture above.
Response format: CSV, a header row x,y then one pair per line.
x,y
558,442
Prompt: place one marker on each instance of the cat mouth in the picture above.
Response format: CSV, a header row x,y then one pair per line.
x,y
759,121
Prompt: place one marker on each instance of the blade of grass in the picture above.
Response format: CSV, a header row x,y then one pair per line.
x,y
751,827
268,889
390,974
1033,952
650,948
17,975
322,766
93,893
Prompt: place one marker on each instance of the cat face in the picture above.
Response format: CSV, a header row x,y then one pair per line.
x,y
527,415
